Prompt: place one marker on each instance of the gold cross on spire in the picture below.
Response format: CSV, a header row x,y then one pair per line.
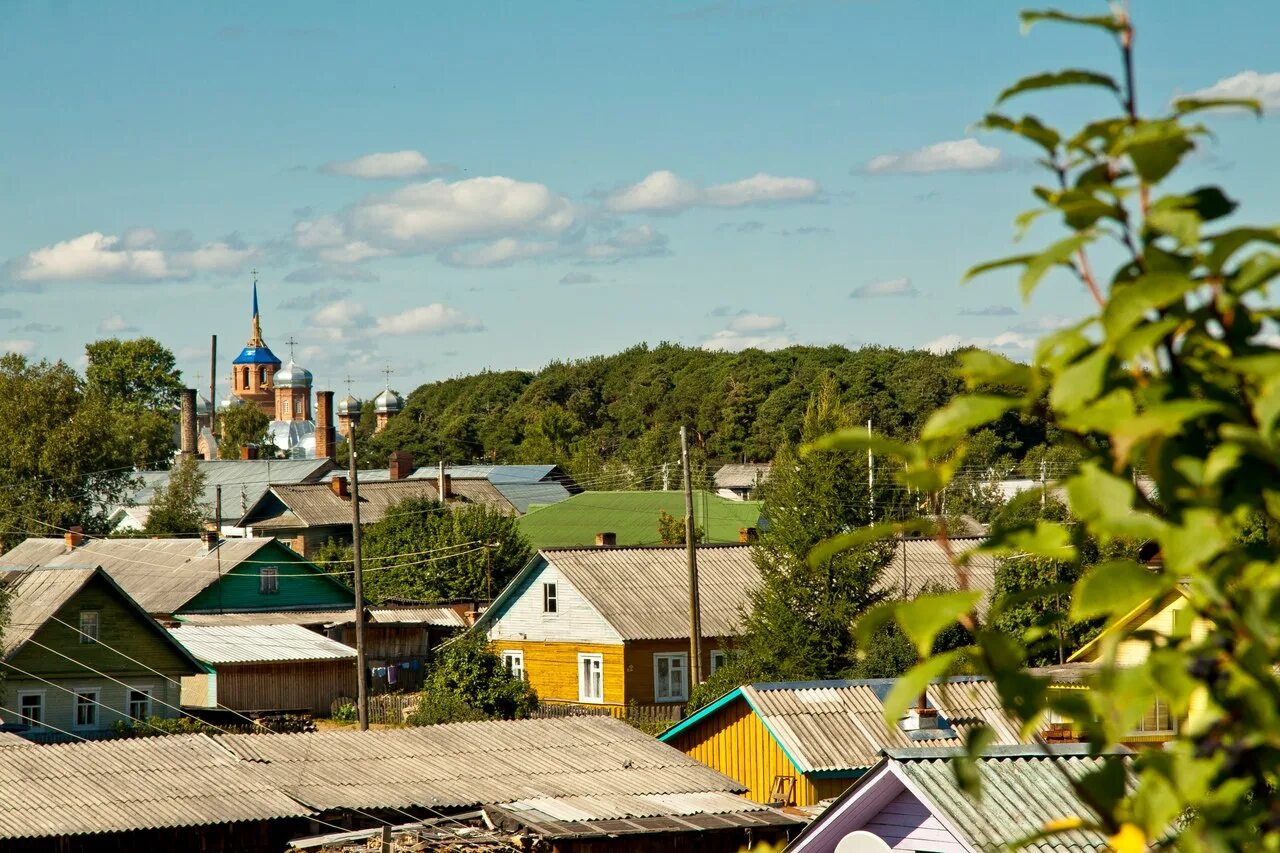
x,y
387,371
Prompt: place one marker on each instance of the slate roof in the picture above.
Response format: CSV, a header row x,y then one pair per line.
x,y
160,574
316,505
522,485
243,481
741,475
439,617
233,644
918,564
633,517
839,725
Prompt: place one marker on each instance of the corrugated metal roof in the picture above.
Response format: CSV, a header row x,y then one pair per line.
x,y
441,617
741,476
160,574
33,597
524,495
243,481
1020,794
468,764
316,505
225,644
138,784
614,807
644,592
921,564
839,725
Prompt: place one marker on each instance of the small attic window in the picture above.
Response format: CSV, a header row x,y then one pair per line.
x,y
269,580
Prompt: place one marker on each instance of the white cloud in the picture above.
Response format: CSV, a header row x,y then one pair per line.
x,y
756,323
21,347
314,299
499,253
666,192
115,324
330,272
434,319
140,255
1247,84
388,164
641,241
894,287
1014,343
579,278
342,314
958,155
351,253
750,331
990,311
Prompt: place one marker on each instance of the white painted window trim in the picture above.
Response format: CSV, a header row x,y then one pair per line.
x,y
44,707
90,637
148,689
550,597
271,574
582,682
719,657
683,657
513,661
95,703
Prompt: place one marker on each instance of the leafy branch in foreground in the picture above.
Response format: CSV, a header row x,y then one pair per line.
x,y
1171,376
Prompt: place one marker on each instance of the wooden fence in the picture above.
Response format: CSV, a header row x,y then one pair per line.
x,y
393,708
389,708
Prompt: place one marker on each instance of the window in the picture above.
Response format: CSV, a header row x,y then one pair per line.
x,y
590,678
670,677
269,580
139,704
262,376
89,622
1156,720
548,598
31,707
286,407
513,660
86,709
718,659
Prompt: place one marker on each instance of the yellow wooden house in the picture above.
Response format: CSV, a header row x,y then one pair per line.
x,y
609,626
797,743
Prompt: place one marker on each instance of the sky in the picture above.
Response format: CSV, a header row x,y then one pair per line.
x,y
449,187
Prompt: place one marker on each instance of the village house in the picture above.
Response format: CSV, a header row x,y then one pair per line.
x,y
523,486
797,743
920,564
632,518
609,626
911,801
80,655
740,481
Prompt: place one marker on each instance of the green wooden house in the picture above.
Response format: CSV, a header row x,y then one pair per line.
x,y
173,577
79,654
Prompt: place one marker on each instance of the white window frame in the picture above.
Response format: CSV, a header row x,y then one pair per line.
x,y
94,704
269,580
719,657
513,661
550,597
682,658
33,723
286,404
1156,706
146,690
91,630
583,683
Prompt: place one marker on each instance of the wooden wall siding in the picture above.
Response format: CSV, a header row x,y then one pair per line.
x,y
905,823
257,836
639,666
120,627
386,642
1133,652
709,841
552,668
240,588
291,686
574,620
59,705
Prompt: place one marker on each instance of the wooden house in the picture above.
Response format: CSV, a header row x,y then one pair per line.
x,y
610,626
911,801
79,655
797,743
266,668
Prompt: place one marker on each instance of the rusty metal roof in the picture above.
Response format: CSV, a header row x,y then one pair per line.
x,y
232,644
138,784
468,764
316,504
921,564
643,592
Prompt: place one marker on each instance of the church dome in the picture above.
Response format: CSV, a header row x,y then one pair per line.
x,y
231,402
387,403
349,405
292,376
203,406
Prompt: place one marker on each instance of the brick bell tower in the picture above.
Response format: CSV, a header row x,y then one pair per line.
x,y
254,369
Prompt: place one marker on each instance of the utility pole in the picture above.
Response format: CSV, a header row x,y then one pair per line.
x,y
871,479
217,528
1043,496
666,482
440,482
213,391
488,569
362,670
695,607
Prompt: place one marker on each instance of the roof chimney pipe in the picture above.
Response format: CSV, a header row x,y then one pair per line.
x,y
401,465
187,446
74,538
338,485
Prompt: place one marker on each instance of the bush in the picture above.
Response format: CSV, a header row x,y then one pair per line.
x,y
738,670
436,707
156,726
468,670
347,712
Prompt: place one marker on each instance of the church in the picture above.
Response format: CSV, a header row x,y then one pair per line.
x,y
284,394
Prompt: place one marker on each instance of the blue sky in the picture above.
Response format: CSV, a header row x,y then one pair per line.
x,y
456,186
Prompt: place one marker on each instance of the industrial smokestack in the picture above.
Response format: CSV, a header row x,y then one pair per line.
x,y
187,446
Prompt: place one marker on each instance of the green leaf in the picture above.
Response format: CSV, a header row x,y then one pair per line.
x,y
923,617
1055,79
1104,22
841,542
1105,502
964,413
978,367
908,687
1185,106
1116,587
857,438
976,741
1210,203
1081,383
872,622
1155,147
1254,273
1028,127
1058,254
1046,539
1190,546
1161,420
988,266
1106,415
1181,225
1266,406
1129,304
1228,243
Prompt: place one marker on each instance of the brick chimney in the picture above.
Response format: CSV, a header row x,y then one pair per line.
x,y
401,464
74,538
338,485
747,535
209,539
606,540
326,441
187,446
249,451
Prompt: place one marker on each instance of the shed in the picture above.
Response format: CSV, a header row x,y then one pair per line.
x,y
740,481
266,668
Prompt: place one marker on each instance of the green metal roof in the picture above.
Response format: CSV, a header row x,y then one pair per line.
x,y
633,517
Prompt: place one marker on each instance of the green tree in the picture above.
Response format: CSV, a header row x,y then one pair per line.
x,y
467,681
674,531
140,372
241,426
422,549
1169,376
178,507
